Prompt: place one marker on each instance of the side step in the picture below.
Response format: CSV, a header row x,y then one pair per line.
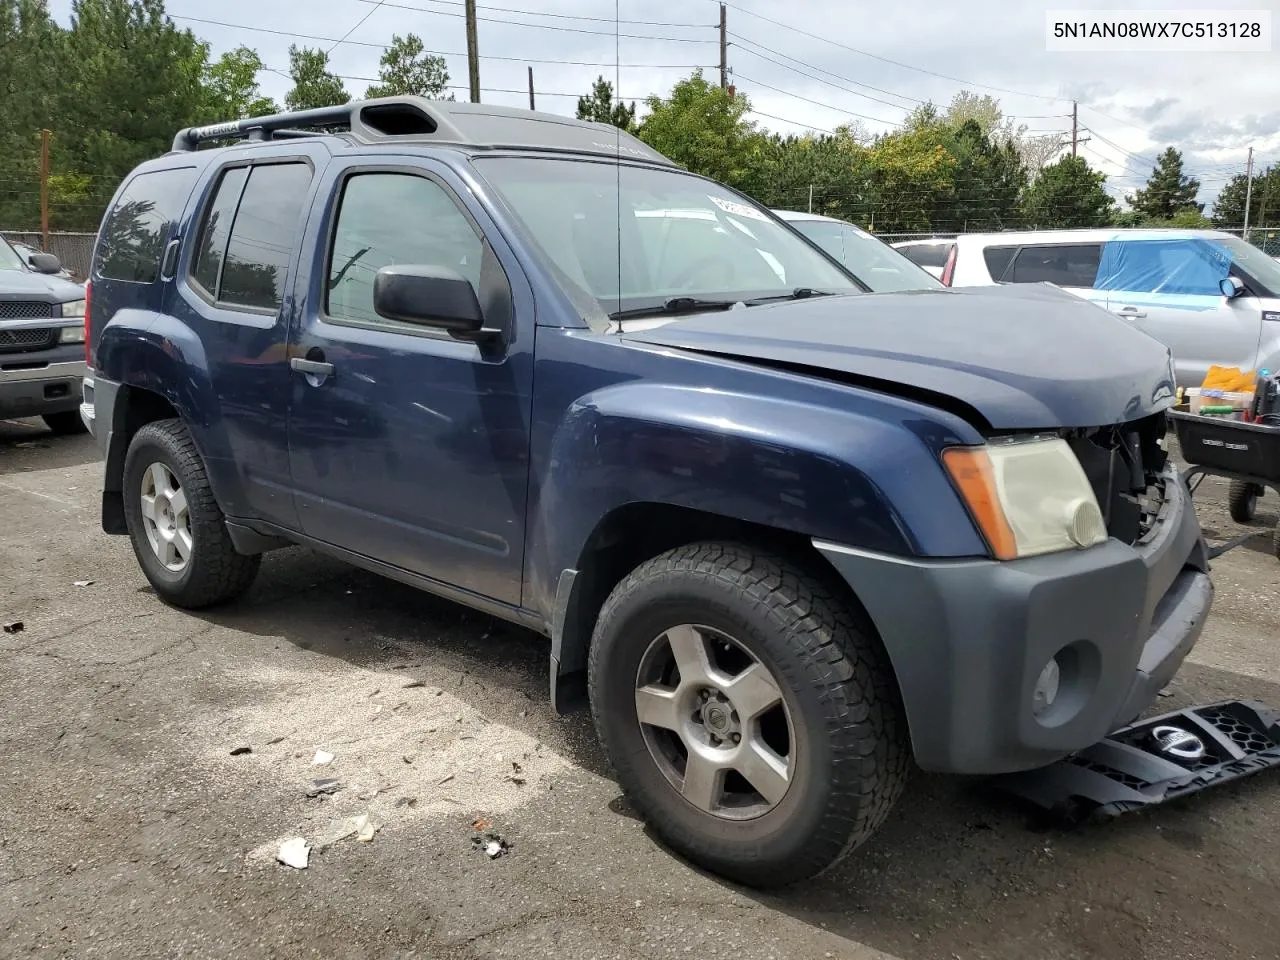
x,y
1155,760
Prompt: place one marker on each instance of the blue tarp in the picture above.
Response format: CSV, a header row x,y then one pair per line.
x,y
1186,267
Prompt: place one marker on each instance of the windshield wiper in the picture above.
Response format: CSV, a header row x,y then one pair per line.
x,y
674,305
799,293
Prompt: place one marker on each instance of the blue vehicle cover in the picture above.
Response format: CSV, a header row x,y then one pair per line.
x,y
1186,266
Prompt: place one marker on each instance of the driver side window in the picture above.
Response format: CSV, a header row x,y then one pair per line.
x,y
387,219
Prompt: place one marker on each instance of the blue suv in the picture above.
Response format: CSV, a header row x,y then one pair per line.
x,y
789,534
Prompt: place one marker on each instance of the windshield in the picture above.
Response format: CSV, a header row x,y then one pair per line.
x,y
1259,266
873,261
9,259
677,236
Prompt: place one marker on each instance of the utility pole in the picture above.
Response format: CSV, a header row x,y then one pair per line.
x,y
811,198
531,106
473,54
1075,129
1248,193
44,189
724,49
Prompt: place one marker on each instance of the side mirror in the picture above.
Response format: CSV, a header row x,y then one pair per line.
x,y
1231,287
429,296
45,263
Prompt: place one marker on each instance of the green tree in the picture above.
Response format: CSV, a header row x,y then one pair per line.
x,y
31,54
1264,200
129,81
912,174
1068,193
313,85
834,168
1168,190
705,129
987,181
600,107
231,87
407,69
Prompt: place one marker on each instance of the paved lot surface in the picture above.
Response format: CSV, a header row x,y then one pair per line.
x,y
128,830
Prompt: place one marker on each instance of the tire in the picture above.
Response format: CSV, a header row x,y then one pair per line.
x,y
65,423
1242,500
849,755
212,572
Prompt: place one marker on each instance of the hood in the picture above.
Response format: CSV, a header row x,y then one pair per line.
x,y
1023,357
21,285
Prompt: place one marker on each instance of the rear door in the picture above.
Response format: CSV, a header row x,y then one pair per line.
x,y
1071,266
232,290
1170,288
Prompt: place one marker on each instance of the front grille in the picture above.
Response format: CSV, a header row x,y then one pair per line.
x,y
25,310
27,340
1124,464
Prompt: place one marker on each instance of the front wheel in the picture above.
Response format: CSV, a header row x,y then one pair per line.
x,y
753,721
178,531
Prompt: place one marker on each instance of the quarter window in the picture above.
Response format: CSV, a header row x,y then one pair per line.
x,y
1067,265
387,219
134,234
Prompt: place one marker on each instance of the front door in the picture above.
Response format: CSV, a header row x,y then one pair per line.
x,y
1170,289
413,448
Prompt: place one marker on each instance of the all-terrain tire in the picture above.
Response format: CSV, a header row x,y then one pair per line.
x,y
214,572
1242,500
851,742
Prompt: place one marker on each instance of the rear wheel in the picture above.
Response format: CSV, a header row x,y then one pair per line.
x,y
178,531
1242,500
65,422
752,720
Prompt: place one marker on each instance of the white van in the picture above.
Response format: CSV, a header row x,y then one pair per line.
x,y
1211,297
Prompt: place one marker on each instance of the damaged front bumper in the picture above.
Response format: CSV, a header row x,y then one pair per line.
x,y
969,639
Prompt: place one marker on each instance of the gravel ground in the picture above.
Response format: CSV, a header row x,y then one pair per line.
x,y
128,829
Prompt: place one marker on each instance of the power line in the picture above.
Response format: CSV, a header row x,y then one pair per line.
x,y
788,93
896,63
816,69
559,16
549,26
807,126
445,53
359,24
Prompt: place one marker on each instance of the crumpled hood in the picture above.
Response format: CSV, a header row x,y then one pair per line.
x,y
1024,357
18,284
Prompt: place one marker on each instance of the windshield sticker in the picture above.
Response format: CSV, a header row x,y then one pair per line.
x,y
738,209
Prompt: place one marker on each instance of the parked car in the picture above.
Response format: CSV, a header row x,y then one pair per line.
x,y
1211,297
42,359
869,256
787,534
29,255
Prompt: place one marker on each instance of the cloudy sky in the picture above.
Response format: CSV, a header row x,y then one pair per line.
x,y
808,64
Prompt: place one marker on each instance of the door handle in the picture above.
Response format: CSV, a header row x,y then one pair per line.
x,y
1133,312
318,369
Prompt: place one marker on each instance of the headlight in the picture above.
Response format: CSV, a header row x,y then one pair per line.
x,y
71,335
73,308
1027,496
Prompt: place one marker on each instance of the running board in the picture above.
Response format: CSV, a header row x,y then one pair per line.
x,y
1153,761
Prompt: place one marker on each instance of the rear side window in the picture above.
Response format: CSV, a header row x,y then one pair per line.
x,y
927,254
134,233
1067,265
248,235
997,259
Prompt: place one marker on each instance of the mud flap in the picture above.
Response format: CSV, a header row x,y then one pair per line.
x,y
1153,761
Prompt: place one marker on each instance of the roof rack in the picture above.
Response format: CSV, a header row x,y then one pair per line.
x,y
435,121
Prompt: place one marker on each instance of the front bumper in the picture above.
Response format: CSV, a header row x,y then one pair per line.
x,y
38,383
969,638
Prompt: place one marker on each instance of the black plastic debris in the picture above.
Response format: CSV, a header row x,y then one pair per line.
x,y
1155,760
324,786
241,751
17,626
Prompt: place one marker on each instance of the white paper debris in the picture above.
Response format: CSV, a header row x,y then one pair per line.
x,y
294,853
322,759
